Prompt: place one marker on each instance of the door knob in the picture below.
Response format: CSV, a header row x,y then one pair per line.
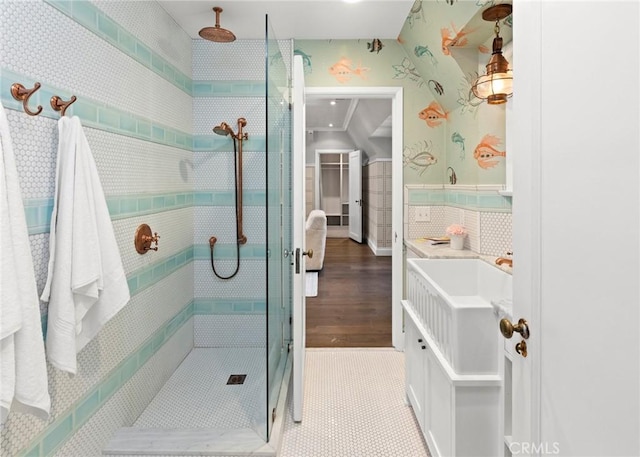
x,y
507,328
297,258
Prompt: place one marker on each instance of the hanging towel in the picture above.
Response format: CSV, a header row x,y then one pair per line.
x,y
23,368
86,284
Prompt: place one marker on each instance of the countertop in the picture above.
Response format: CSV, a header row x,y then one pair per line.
x,y
442,251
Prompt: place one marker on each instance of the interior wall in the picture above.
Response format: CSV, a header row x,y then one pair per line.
x,y
309,188
474,132
326,140
230,312
367,117
443,125
377,192
391,67
129,65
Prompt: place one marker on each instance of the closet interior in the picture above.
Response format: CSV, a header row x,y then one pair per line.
x,y
333,194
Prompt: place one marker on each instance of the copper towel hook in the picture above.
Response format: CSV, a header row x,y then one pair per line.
x,y
60,105
22,94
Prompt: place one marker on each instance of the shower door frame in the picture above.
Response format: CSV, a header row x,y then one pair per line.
x,y
278,277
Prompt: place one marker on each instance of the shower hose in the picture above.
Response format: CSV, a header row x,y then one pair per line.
x,y
211,244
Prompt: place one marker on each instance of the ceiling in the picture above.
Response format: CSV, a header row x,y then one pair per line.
x,y
329,114
299,19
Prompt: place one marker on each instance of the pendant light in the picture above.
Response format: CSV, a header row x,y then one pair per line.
x,y
497,84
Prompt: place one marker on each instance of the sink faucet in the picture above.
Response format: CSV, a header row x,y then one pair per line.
x,y
505,260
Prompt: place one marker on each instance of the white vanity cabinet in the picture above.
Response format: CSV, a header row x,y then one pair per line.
x,y
459,415
415,350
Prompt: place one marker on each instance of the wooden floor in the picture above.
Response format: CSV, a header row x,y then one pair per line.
x,y
353,306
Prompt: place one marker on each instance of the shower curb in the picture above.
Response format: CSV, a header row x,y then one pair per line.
x,y
133,441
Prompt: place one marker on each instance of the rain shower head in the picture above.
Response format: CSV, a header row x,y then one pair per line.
x,y
217,33
223,129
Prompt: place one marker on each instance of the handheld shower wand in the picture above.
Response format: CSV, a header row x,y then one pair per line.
x,y
224,129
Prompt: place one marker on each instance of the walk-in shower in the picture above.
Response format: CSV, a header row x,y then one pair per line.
x,y
224,129
236,328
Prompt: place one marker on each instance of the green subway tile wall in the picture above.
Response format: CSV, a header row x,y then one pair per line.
x,y
75,417
91,17
101,108
473,200
121,77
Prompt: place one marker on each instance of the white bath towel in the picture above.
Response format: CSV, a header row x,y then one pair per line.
x,y
86,284
23,369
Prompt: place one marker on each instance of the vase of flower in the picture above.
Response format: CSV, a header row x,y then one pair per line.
x,y
456,242
456,233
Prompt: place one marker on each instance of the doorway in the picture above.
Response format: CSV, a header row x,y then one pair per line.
x,y
337,190
393,250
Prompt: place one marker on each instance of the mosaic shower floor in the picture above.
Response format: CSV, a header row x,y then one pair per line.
x,y
197,394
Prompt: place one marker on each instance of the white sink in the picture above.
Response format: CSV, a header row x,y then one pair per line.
x,y
453,299
466,282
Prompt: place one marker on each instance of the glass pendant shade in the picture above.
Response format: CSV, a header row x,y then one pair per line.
x,y
495,88
497,84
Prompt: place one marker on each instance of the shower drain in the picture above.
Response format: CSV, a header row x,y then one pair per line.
x,y
236,379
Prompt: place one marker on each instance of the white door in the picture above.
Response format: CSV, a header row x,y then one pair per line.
x,y
355,196
576,174
298,172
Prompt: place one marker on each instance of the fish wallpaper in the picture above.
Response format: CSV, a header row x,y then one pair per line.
x,y
374,62
443,46
448,44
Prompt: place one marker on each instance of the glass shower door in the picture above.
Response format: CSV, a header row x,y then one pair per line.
x,y
278,203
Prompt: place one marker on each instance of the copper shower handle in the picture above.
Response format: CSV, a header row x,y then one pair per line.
x,y
143,239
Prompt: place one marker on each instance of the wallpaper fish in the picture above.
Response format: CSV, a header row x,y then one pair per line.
x,y
343,70
422,51
375,45
436,87
433,114
416,13
419,157
486,153
306,60
456,138
453,38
